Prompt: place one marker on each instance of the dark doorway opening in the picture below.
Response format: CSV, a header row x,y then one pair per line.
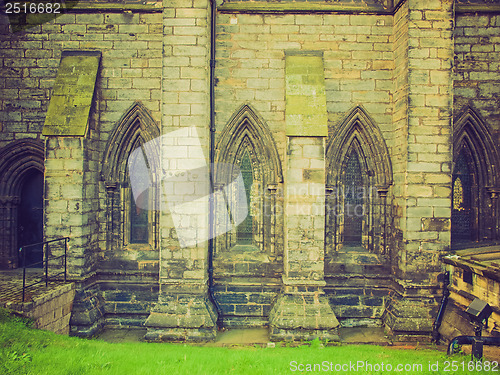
x,y
30,219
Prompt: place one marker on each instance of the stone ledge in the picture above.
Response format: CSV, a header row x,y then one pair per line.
x,y
301,334
121,7
180,334
410,319
473,8
305,7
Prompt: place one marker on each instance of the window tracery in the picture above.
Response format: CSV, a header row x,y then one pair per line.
x,y
458,195
131,220
359,174
247,144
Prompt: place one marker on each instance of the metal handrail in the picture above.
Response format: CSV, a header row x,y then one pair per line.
x,y
44,262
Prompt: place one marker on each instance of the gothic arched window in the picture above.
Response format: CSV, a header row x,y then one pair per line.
x,y
247,144
131,215
357,181
458,194
138,211
244,231
461,222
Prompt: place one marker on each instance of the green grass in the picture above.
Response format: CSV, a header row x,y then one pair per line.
x,y
27,351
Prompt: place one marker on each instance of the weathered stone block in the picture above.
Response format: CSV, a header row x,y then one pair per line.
x,y
436,224
187,318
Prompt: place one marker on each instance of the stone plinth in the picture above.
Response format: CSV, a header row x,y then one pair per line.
x,y
185,313
302,312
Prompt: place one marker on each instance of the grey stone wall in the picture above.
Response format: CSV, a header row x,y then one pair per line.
x,y
184,310
423,169
50,311
476,69
400,121
131,68
251,66
397,67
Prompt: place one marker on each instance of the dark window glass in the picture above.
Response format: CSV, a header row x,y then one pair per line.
x,y
353,201
245,229
139,219
138,214
467,277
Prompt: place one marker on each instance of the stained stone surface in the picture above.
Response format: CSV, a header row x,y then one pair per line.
x,y
305,95
416,75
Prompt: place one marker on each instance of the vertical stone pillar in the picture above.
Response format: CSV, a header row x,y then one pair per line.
x,y
423,169
8,221
71,196
302,310
71,210
184,311
66,209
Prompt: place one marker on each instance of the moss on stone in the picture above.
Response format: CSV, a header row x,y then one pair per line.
x,y
71,100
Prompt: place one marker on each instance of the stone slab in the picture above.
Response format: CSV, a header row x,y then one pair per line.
x,y
305,113
69,106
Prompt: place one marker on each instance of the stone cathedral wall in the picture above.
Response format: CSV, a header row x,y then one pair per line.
x,y
130,41
358,67
411,71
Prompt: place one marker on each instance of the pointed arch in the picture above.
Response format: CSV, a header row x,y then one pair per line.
x,y
19,161
136,127
247,128
474,147
358,125
248,218
247,134
470,130
128,226
357,134
16,159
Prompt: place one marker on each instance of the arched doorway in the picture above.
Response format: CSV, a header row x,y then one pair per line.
x,y
30,219
474,216
21,184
